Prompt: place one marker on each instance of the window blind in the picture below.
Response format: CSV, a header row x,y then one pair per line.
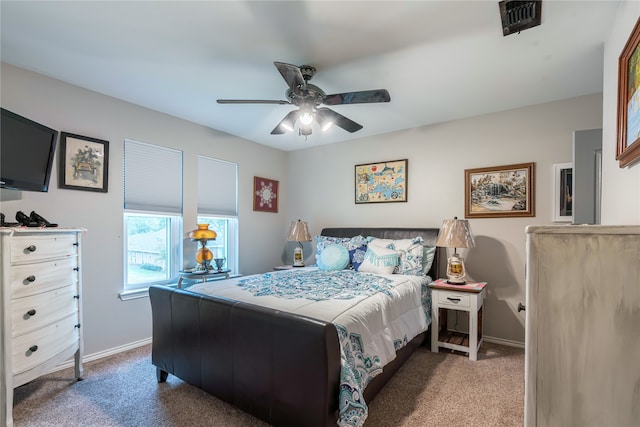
x,y
152,178
217,187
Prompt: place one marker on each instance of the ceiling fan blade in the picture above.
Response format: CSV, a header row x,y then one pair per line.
x,y
292,75
289,120
340,120
252,101
362,97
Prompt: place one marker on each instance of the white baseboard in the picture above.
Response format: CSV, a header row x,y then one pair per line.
x,y
101,354
501,341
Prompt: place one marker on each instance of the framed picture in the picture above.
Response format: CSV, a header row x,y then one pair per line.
x,y
499,191
84,163
563,192
265,194
628,147
382,182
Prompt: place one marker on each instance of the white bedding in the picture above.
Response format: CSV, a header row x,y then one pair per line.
x,y
375,315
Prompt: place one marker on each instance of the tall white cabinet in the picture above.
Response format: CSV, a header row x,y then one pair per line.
x,y
41,311
582,357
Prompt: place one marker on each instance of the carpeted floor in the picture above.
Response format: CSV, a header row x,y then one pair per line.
x,y
431,389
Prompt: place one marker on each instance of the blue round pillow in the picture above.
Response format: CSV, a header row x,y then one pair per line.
x,y
333,257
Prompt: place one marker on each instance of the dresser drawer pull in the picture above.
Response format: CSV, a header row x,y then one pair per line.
x,y
76,268
456,300
31,312
33,348
31,248
31,278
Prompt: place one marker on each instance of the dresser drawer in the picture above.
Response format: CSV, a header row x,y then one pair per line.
x,y
39,247
453,299
35,348
31,279
38,311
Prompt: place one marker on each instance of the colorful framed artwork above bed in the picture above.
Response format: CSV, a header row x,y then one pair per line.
x,y
381,182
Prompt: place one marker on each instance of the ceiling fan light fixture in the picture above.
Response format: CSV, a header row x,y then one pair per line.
x,y
287,126
304,131
306,118
323,121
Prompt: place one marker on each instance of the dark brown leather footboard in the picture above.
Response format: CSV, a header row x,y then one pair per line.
x,y
280,367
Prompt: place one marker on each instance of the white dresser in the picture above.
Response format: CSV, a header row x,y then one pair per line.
x,y
582,349
41,311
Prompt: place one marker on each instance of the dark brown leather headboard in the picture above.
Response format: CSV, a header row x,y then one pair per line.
x,y
429,235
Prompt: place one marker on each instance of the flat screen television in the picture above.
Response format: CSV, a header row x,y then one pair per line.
x,y
26,153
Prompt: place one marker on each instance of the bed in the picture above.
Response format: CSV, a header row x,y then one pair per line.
x,y
279,365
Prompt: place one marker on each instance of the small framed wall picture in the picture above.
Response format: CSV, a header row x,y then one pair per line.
x,y
563,192
84,163
265,194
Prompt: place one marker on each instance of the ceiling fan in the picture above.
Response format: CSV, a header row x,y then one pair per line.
x,y
308,97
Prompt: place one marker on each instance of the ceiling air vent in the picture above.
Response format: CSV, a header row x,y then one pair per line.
x,y
519,15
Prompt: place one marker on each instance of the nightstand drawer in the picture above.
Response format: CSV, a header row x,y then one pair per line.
x,y
453,299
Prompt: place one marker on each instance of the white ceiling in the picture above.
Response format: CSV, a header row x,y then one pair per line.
x,y
439,60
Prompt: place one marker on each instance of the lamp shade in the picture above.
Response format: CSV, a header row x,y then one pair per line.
x,y
299,232
455,233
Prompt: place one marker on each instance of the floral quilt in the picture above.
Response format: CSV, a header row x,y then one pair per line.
x,y
374,314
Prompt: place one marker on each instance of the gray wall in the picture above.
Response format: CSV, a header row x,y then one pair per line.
x,y
317,185
620,187
321,186
110,323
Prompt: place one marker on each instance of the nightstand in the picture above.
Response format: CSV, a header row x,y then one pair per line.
x,y
469,298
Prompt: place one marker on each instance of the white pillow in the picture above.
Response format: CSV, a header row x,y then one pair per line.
x,y
379,260
410,253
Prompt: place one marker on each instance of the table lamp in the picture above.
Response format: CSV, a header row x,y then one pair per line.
x,y
204,256
455,233
298,232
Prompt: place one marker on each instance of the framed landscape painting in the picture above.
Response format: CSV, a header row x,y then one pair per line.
x,y
382,182
499,191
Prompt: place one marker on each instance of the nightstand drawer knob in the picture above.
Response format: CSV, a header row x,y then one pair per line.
x,y
456,300
33,348
521,307
31,312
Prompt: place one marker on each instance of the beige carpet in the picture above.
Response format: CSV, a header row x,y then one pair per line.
x,y
441,389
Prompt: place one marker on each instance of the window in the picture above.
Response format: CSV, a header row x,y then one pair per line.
x,y
153,252
219,208
152,216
